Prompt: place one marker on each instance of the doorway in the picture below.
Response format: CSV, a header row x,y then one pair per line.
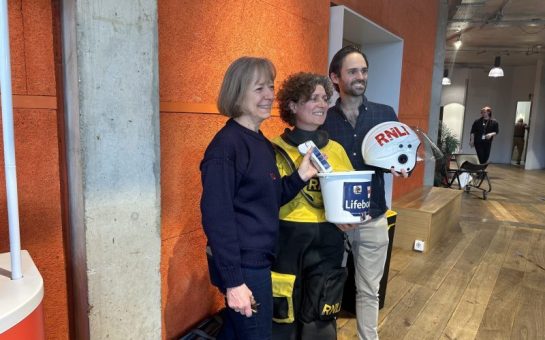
x,y
520,132
453,118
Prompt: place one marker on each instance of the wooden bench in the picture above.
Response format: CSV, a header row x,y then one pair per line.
x,y
426,214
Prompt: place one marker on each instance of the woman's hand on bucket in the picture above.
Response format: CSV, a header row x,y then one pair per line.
x,y
347,227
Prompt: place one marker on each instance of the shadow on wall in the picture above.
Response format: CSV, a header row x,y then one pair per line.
x,y
189,289
187,294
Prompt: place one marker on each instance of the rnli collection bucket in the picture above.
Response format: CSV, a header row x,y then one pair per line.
x,y
346,195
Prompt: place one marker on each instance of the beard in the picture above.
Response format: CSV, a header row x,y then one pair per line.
x,y
352,91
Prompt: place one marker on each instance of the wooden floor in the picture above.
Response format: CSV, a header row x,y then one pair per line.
x,y
484,281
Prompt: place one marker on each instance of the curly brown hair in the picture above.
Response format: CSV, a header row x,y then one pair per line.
x,y
299,87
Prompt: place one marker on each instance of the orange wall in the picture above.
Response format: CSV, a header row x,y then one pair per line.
x,y
197,41
37,156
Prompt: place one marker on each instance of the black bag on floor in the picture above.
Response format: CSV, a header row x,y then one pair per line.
x,y
323,295
206,330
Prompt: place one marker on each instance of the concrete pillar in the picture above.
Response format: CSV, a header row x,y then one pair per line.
x,y
436,87
111,104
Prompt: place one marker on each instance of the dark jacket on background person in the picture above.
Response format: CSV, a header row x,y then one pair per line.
x,y
481,127
520,130
483,146
242,194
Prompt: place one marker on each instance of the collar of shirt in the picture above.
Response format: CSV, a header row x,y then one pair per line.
x,y
257,135
349,137
339,109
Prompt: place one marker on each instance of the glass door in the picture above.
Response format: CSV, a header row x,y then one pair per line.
x,y
520,132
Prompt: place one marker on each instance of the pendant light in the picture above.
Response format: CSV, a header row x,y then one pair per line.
x,y
446,79
458,42
496,71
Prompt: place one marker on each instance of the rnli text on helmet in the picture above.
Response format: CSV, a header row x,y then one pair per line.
x,y
391,134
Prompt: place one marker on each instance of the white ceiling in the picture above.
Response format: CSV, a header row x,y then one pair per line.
x,y
512,29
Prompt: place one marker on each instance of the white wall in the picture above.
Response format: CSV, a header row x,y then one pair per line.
x,y
535,156
473,88
456,92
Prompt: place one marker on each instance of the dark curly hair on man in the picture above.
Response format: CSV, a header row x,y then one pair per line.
x,y
297,88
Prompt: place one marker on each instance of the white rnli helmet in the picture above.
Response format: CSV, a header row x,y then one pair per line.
x,y
391,145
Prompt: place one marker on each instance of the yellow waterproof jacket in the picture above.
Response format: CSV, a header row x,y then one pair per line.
x,y
300,209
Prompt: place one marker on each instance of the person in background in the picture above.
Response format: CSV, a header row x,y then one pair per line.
x,y
347,122
482,134
518,138
310,249
242,194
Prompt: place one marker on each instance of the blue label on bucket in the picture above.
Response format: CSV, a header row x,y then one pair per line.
x,y
356,198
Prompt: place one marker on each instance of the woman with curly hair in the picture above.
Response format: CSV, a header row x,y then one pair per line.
x,y
309,274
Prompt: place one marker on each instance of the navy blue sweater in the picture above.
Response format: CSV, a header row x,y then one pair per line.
x,y
340,130
242,194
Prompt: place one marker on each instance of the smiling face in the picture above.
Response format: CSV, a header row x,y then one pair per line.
x,y
352,80
310,114
257,102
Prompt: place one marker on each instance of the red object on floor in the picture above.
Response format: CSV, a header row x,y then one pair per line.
x,y
21,309
30,328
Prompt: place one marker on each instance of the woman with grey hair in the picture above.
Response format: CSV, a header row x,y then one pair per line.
x,y
242,194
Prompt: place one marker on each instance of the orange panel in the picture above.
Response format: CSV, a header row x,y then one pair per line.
x,y
273,127
372,10
199,39
34,102
39,47
17,47
188,294
190,108
36,150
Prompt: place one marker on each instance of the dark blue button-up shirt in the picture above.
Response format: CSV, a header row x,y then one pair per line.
x,y
340,130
